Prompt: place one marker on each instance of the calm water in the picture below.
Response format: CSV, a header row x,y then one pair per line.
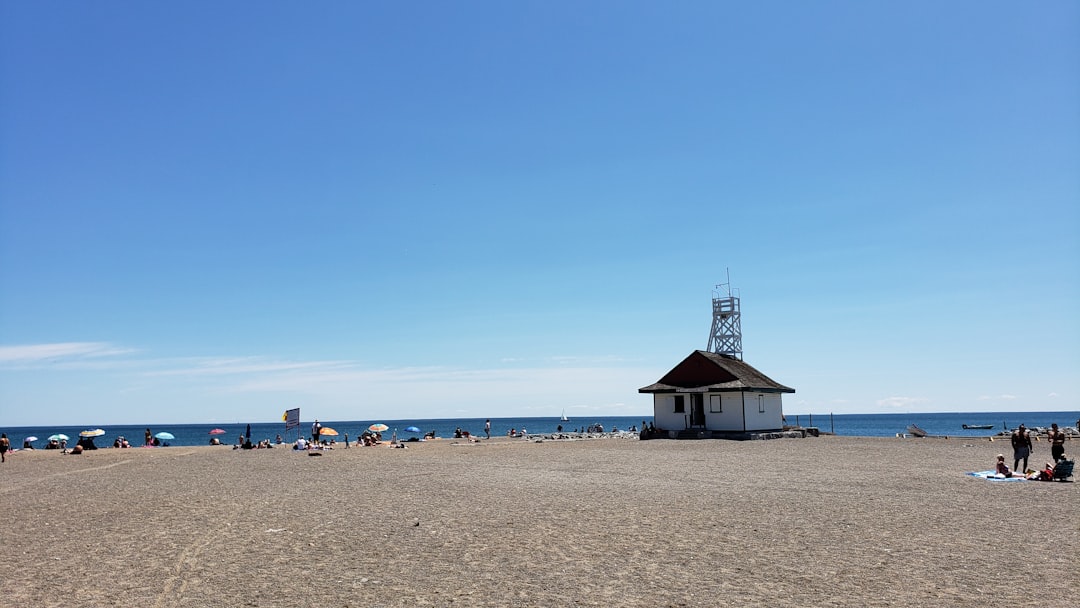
x,y
888,425
867,425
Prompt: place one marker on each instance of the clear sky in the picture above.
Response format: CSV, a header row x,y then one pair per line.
x,y
221,210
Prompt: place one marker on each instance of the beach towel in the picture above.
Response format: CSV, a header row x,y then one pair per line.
x,y
991,475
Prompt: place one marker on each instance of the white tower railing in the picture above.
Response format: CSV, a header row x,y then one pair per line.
x,y
725,338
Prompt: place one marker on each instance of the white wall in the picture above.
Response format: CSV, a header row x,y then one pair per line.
x,y
771,418
723,415
664,416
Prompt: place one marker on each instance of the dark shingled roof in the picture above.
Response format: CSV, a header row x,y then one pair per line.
x,y
705,372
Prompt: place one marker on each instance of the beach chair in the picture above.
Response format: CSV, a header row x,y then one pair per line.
x,y
1063,470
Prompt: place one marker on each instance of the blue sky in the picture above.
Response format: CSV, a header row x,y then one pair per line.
x,y
217,211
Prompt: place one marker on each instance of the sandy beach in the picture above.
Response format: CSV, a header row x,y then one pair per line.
x,y
827,521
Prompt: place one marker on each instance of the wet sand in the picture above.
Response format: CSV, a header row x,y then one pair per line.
x,y
827,521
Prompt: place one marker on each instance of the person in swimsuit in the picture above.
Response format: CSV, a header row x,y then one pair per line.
x,y
1001,468
1057,442
1021,443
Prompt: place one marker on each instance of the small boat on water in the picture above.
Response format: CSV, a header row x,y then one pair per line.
x,y
916,431
971,427
563,418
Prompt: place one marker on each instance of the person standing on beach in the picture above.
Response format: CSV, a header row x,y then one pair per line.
x,y
5,445
316,430
1021,443
487,428
149,438
1057,442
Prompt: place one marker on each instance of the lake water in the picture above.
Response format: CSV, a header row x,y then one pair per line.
x,y
867,425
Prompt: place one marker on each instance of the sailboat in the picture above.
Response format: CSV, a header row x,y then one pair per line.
x,y
563,418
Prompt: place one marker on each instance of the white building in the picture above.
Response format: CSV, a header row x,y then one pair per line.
x,y
711,394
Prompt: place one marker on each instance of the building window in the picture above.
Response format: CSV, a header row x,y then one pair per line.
x,y
716,404
761,404
680,406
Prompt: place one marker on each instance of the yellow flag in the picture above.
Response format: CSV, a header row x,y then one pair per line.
x,y
285,416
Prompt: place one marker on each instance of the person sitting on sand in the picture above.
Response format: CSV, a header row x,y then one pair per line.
x,y
1002,468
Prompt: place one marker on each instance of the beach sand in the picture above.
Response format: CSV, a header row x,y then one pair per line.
x,y
829,521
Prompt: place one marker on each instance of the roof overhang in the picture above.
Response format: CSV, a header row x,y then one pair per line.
x,y
667,389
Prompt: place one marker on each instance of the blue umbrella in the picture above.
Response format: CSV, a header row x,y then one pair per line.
x,y
412,429
164,435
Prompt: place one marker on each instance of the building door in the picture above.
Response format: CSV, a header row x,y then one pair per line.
x,y
697,409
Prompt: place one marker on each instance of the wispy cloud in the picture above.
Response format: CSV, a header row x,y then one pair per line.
x,y
997,397
542,386
235,366
59,351
900,402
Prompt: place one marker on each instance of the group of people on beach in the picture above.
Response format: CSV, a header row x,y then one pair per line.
x,y
1022,450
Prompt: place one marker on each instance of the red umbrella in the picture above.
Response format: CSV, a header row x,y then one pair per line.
x,y
217,432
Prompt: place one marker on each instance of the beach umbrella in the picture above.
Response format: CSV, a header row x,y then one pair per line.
x,y
411,429
30,438
378,427
59,437
327,431
217,432
92,433
164,435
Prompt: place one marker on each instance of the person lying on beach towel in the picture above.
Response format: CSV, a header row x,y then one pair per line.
x,y
1046,474
1001,472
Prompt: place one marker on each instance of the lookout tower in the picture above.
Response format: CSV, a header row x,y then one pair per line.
x,y
725,338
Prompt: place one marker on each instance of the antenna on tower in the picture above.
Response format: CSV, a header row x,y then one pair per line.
x,y
725,338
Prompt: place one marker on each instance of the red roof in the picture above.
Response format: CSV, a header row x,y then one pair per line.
x,y
705,372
